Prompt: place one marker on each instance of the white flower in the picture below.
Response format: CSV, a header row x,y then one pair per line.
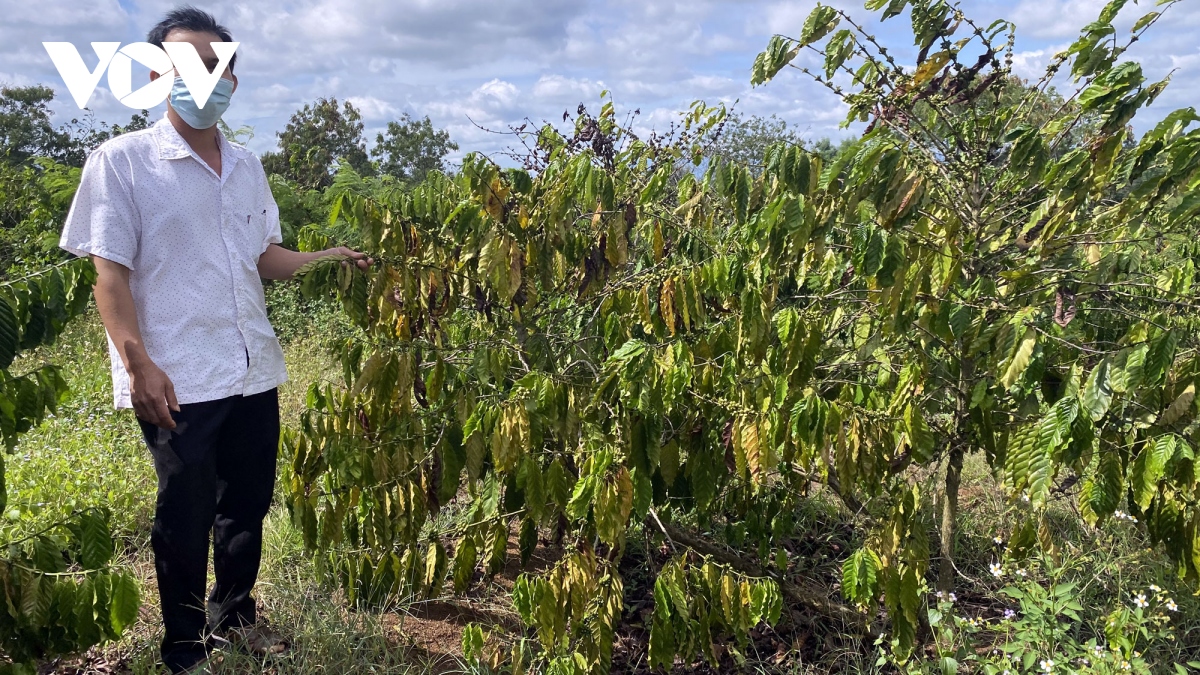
x,y
1021,572
953,598
1140,600
1025,497
1155,588
940,595
998,540
1098,649
1047,665
1125,665
1171,606
997,570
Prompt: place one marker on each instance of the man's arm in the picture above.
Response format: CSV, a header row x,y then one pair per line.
x,y
278,262
151,391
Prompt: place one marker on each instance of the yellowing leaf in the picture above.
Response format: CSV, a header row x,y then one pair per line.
x,y
1178,407
748,447
1021,358
494,199
932,65
614,503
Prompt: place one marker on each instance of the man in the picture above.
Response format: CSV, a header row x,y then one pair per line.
x,y
181,226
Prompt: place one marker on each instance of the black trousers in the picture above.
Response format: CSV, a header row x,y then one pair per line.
x,y
216,473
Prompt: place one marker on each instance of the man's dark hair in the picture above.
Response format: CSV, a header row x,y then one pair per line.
x,y
193,19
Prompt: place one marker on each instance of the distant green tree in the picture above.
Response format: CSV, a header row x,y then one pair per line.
x,y
745,140
318,136
86,134
412,148
25,127
827,150
26,130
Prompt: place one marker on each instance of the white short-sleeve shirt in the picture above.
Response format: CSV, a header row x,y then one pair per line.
x,y
191,240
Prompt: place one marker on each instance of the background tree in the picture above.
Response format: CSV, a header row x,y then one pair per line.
x,y
315,140
411,149
25,127
27,131
39,171
746,140
827,150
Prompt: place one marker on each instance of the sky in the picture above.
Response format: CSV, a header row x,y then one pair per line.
x,y
479,65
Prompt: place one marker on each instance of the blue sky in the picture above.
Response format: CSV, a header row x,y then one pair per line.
x,y
497,62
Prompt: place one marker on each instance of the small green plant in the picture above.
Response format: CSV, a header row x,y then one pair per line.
x,y
1041,622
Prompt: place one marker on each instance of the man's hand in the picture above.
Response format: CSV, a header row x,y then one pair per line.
x,y
152,394
280,263
150,390
359,259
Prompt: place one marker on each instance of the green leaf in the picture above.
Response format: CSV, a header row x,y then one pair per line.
x,y
894,7
1097,392
527,540
320,262
920,436
123,606
820,22
1159,357
860,577
837,50
1149,468
1144,21
9,338
767,65
1111,10
96,545
48,555
1101,490
465,558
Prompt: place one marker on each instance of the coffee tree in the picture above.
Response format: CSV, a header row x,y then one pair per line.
x,y
622,339
59,592
1018,281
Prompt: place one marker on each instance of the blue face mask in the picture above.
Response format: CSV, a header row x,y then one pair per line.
x,y
195,116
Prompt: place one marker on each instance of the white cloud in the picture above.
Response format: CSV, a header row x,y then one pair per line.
x,y
373,109
497,62
555,88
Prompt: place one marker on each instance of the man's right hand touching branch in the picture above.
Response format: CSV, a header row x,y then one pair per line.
x,y
150,390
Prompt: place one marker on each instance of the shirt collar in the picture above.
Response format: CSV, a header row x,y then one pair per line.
x,y
172,146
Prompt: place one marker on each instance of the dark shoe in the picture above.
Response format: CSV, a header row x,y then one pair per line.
x,y
258,640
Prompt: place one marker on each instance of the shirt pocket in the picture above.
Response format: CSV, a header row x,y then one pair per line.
x,y
247,222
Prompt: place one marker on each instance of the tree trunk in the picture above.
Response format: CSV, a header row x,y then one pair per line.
x,y
949,519
958,444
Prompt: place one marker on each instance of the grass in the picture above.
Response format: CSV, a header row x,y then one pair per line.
x,y
88,454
